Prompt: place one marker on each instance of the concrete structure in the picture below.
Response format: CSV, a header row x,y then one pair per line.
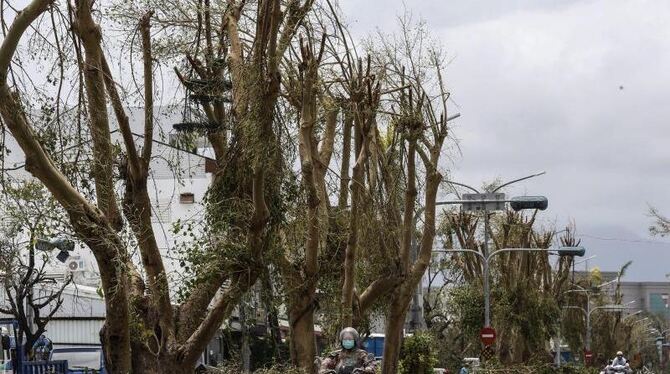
x,y
651,297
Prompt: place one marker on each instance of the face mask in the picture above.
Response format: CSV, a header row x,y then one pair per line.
x,y
347,343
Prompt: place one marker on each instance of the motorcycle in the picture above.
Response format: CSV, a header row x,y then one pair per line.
x,y
317,365
618,369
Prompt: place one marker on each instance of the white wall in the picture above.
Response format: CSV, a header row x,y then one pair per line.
x,y
75,332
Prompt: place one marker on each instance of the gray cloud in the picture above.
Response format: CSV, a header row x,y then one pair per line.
x,y
539,86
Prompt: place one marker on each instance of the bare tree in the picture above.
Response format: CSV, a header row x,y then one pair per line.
x,y
143,330
527,290
31,295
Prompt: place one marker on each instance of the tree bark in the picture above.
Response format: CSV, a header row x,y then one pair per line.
x,y
303,340
395,323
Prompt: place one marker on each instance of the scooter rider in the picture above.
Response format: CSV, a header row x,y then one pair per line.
x,y
350,359
619,360
619,365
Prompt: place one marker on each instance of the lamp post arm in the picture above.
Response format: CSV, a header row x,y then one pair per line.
x,y
519,180
463,185
504,250
618,308
461,251
580,290
488,258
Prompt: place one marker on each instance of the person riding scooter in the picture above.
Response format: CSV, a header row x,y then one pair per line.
x,y
350,359
619,365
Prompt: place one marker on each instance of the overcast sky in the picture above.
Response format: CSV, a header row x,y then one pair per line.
x,y
576,88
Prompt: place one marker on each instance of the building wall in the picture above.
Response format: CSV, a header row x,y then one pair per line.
x,y
652,297
73,332
79,319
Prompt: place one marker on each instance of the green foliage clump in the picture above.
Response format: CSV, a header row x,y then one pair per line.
x,y
497,367
276,369
418,354
467,302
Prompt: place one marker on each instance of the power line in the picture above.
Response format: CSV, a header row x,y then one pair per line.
x,y
656,242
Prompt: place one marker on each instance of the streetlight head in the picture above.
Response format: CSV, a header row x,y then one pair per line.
x,y
63,244
529,202
572,251
44,245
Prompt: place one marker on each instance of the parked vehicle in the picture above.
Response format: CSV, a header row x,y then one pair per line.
x,y
81,360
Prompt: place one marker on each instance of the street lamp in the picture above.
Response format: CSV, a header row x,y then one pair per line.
x,y
588,311
571,251
585,259
62,244
631,315
641,320
489,202
528,202
587,314
608,283
486,259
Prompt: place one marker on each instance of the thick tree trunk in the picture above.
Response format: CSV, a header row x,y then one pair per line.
x,y
395,323
115,339
142,360
303,340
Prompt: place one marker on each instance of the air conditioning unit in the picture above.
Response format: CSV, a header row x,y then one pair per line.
x,y
75,264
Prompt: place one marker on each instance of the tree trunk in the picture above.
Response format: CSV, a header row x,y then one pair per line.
x,y
395,323
303,340
272,314
142,360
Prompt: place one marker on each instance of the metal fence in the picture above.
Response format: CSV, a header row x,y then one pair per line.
x,y
44,367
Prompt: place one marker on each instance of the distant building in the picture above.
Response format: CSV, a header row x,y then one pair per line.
x,y
605,276
651,297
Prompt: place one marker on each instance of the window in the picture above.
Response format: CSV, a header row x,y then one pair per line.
x,y
658,303
186,198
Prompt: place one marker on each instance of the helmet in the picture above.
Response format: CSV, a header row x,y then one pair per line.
x,y
619,353
353,332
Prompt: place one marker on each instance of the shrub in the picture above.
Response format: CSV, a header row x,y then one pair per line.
x,y
275,369
418,354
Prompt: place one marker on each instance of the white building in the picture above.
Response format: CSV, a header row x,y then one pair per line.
x,y
177,186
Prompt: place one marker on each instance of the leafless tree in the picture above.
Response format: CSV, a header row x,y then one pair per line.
x,y
31,295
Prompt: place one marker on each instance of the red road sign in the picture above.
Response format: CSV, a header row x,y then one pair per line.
x,y
488,336
588,356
